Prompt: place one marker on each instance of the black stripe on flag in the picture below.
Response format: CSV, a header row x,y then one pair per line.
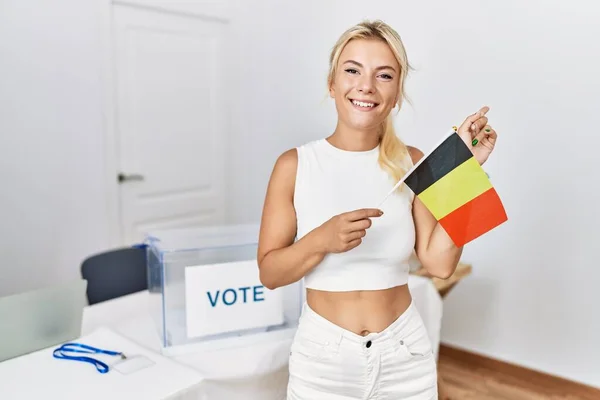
x,y
448,155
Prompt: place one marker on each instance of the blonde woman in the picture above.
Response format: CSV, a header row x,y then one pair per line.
x,y
360,335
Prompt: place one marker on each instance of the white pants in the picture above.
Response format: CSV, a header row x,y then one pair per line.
x,y
332,363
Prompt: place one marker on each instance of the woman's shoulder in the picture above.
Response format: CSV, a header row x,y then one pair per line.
x,y
283,175
287,162
290,157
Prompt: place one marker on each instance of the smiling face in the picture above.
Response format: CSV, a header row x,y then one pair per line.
x,y
366,84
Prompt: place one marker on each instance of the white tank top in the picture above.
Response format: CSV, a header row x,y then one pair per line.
x,y
331,181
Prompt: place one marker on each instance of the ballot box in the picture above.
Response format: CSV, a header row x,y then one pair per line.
x,y
205,290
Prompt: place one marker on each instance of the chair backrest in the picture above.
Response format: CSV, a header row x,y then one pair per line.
x,y
115,273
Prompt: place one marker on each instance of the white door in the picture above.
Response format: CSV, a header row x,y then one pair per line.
x,y
169,121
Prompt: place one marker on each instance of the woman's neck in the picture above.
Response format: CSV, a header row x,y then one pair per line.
x,y
349,139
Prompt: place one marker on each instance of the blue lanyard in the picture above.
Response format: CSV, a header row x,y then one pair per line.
x,y
82,348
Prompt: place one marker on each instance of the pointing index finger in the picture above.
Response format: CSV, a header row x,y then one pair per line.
x,y
364,213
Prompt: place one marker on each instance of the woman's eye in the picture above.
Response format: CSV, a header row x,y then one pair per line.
x,y
352,71
386,76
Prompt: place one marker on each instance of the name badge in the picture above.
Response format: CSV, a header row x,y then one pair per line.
x,y
228,297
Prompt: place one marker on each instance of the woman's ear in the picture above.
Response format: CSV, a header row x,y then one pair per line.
x,y
396,103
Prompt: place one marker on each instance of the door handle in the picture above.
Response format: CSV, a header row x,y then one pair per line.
x,y
131,177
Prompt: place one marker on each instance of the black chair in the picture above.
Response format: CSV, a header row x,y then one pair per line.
x,y
115,273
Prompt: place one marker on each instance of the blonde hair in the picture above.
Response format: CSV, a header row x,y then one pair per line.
x,y
393,154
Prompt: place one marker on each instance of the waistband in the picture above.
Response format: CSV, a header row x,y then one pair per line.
x,y
335,333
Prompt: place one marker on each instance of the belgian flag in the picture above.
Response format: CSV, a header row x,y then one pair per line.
x,y
452,185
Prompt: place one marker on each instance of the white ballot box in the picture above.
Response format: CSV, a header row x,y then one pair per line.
x,y
206,293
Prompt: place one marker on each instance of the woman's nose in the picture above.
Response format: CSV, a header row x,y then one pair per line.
x,y
366,85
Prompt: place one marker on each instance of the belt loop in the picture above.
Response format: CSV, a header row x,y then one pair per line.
x,y
339,337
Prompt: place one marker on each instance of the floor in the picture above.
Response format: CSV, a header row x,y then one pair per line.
x,y
466,381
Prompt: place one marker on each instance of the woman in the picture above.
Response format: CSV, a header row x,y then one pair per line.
x,y
360,336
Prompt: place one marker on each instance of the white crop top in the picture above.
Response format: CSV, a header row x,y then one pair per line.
x,y
331,181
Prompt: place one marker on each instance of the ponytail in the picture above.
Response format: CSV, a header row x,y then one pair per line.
x,y
393,153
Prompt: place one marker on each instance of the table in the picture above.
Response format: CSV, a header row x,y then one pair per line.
x,y
255,372
259,371
40,376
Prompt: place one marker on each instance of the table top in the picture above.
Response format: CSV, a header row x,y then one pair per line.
x,y
130,318
126,323
144,374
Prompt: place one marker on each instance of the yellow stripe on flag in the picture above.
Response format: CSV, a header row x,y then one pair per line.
x,y
456,188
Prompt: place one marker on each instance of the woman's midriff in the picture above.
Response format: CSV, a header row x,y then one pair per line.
x,y
361,312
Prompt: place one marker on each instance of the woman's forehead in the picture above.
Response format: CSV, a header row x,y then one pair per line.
x,y
371,53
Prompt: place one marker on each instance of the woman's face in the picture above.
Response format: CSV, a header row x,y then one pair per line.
x,y
365,87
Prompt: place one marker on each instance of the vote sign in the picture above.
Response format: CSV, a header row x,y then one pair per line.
x,y
229,297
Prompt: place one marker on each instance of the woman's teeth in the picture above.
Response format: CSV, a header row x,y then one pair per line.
x,y
362,104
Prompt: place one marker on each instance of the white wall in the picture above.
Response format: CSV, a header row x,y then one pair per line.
x,y
53,202
54,206
535,63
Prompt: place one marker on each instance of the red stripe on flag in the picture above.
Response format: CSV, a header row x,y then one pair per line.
x,y
473,219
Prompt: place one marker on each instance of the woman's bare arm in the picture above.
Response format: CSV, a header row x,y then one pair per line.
x,y
281,261
435,249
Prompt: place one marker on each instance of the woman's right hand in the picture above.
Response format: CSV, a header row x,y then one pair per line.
x,y
345,231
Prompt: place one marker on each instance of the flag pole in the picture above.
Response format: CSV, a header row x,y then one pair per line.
x,y
410,171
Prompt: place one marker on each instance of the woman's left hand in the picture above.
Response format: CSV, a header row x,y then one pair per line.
x,y
479,137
